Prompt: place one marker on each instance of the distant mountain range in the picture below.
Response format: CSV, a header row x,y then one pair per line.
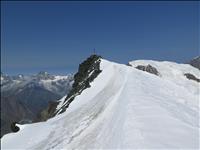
x,y
24,97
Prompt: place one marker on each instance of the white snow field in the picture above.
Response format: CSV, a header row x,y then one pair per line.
x,y
124,108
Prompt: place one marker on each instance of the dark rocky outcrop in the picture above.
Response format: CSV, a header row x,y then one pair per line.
x,y
191,77
195,62
87,72
149,69
13,127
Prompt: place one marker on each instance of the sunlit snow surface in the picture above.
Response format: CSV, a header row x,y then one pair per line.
x,y
124,108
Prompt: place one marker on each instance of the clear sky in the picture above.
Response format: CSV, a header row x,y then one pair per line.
x,y
57,36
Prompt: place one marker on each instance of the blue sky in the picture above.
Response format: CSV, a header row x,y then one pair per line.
x,y
57,36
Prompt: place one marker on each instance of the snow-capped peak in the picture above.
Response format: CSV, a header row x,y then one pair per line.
x,y
54,83
43,75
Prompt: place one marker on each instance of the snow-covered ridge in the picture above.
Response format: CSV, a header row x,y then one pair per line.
x,y
124,108
173,72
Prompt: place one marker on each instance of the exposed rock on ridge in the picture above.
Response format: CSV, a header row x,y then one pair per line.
x,y
191,77
149,69
87,72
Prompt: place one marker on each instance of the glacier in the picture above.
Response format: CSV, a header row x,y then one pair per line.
x,y
125,108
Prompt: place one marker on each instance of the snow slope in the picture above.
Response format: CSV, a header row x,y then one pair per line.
x,y
124,108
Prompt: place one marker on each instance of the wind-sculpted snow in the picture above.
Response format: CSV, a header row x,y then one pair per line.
x,y
124,108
